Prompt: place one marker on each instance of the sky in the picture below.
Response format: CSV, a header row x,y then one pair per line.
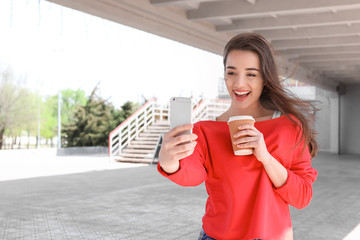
x,y
57,48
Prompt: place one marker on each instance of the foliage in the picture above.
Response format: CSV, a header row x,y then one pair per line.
x,y
93,122
70,100
16,106
86,121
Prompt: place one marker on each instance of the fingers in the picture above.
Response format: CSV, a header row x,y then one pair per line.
x,y
245,140
176,130
180,149
175,144
172,138
169,153
184,154
176,147
182,139
252,144
248,136
246,130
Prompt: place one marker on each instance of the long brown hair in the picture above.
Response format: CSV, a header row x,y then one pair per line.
x,y
274,95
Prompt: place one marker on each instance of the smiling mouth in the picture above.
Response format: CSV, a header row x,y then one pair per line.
x,y
242,94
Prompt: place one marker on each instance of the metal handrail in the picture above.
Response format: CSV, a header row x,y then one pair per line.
x,y
209,109
128,130
150,112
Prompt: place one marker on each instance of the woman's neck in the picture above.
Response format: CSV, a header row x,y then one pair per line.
x,y
259,112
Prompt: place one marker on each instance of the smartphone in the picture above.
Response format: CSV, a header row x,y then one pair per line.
x,y
180,112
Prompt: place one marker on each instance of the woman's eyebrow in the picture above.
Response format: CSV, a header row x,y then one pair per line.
x,y
254,69
249,69
231,67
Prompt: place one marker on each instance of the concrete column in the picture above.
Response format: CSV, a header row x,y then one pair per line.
x,y
334,123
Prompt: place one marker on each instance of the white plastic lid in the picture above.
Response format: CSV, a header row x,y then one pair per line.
x,y
241,117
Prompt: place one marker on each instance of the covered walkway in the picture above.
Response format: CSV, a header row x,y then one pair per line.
x,y
138,203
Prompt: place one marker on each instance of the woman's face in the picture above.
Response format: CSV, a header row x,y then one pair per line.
x,y
243,78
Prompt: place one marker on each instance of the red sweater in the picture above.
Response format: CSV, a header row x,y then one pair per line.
x,y
243,203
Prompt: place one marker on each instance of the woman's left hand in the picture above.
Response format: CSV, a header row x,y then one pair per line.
x,y
249,136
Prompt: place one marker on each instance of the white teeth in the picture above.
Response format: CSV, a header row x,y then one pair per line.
x,y
241,93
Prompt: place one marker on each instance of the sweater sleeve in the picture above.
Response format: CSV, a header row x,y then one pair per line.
x,y
297,191
192,171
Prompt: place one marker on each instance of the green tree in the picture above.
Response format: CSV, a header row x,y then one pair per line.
x,y
70,100
16,105
93,122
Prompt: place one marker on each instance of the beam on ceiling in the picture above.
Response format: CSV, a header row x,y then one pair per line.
x,y
305,32
349,62
344,80
239,9
343,69
319,50
303,20
327,57
316,42
172,2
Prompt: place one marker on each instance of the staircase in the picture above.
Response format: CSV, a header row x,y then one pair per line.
x,y
144,147
138,138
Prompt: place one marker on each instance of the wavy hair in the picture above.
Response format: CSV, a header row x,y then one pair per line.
x,y
274,95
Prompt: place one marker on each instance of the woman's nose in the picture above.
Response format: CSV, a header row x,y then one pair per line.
x,y
240,81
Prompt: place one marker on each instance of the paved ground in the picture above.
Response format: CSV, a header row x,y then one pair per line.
x,y
28,163
138,203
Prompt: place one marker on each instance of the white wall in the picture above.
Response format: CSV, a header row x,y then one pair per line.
x,y
327,120
350,120
322,120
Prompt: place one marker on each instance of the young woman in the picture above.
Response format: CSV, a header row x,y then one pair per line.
x,y
249,196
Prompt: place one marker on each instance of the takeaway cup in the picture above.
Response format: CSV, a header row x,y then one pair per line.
x,y
233,123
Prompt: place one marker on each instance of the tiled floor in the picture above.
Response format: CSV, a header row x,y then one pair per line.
x,y
138,203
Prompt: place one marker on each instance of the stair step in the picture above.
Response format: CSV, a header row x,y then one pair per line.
x,y
136,142
136,155
141,146
155,131
149,135
147,139
150,151
133,160
162,128
161,123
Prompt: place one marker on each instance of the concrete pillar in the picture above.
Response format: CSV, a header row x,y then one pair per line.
x,y
334,123
350,118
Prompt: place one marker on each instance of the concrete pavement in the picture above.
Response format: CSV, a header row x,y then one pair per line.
x,y
138,203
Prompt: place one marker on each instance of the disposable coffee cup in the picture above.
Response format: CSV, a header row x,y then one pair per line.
x,y
234,123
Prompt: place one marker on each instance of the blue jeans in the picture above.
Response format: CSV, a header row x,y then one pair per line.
x,y
204,236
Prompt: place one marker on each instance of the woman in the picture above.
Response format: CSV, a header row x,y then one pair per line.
x,y
249,196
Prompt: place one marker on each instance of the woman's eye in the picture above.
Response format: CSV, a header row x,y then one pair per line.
x,y
251,75
231,73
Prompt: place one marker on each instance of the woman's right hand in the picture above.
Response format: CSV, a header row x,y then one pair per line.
x,y
176,146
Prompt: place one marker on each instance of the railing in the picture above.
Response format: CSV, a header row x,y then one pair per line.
x,y
209,109
150,112
128,130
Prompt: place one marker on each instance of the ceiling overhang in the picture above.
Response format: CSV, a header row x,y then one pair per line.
x,y
320,39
